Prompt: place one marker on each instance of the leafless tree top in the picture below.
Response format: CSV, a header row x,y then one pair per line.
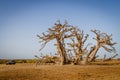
x,y
104,40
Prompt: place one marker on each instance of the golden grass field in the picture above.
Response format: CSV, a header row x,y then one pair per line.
x,y
27,71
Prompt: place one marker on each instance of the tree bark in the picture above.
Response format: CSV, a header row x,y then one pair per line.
x,y
62,52
93,53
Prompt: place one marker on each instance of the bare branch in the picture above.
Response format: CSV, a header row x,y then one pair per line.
x,y
86,37
107,49
44,44
110,57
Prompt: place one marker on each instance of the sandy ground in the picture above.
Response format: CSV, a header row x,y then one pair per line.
x,y
56,72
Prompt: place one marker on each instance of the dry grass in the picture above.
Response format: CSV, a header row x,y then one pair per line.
x,y
56,72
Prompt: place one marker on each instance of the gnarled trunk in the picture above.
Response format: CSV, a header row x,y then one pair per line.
x,y
63,60
93,53
62,52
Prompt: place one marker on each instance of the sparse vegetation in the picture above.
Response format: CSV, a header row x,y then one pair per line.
x,y
3,61
28,71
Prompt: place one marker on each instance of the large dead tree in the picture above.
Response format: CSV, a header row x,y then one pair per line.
x,y
62,31
59,32
103,40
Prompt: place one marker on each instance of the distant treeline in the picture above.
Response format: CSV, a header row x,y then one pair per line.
x,y
48,60
4,61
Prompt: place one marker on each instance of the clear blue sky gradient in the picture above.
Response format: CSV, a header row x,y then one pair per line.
x,y
22,20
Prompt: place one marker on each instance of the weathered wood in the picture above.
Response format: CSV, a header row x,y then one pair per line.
x,y
59,32
78,47
102,39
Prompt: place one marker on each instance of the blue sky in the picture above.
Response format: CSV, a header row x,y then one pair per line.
x,y
22,20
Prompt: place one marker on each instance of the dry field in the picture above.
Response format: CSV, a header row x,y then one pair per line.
x,y
55,72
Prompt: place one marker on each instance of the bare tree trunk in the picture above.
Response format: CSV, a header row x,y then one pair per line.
x,y
63,60
93,53
62,52
86,59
